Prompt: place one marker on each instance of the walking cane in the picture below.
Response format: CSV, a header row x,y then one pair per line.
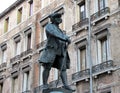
x,y
73,34
64,59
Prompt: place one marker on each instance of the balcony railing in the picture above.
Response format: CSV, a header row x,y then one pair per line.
x,y
26,52
80,24
53,83
100,13
80,75
103,67
3,65
15,59
96,70
41,44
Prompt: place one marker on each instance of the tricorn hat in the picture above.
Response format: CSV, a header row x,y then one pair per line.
x,y
54,15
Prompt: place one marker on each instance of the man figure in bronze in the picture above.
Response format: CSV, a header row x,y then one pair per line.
x,y
55,52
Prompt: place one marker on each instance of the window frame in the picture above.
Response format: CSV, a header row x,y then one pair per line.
x,y
30,7
43,33
81,54
1,87
29,41
101,4
19,15
6,25
26,84
27,32
82,17
100,35
119,3
13,84
81,44
4,56
40,74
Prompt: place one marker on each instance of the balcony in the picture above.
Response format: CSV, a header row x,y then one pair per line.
x,y
104,13
81,75
80,24
103,67
96,70
41,45
25,53
3,65
18,57
14,59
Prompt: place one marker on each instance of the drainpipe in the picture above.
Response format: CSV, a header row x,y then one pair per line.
x,y
89,47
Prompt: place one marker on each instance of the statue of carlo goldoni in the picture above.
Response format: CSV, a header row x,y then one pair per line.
x,y
55,53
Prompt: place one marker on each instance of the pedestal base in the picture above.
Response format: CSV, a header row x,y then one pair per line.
x,y
56,90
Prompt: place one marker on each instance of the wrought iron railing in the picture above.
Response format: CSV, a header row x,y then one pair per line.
x,y
41,44
103,66
26,52
80,24
81,74
97,69
15,59
100,13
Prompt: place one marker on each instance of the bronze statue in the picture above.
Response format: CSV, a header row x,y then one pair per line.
x,y
55,52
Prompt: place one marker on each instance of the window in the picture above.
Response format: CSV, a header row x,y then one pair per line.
x,y
17,44
119,2
17,48
44,37
3,52
45,3
15,85
82,60
40,75
19,15
1,87
26,81
4,56
101,4
102,49
6,24
82,11
55,74
29,41
31,8
62,25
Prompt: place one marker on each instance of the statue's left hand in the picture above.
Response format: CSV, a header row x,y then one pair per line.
x,y
69,41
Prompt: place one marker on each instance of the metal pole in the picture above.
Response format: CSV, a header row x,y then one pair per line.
x,y
89,48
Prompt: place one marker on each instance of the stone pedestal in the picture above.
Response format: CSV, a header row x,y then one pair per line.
x,y
56,90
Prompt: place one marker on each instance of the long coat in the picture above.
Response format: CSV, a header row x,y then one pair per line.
x,y
55,46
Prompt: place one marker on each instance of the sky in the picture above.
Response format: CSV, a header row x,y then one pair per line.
x,y
5,4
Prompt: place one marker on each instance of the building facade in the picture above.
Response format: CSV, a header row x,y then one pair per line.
x,y
22,38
